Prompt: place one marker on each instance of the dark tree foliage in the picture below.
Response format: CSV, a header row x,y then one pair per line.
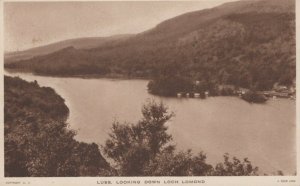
x,y
145,149
170,163
132,146
169,85
37,141
235,167
254,97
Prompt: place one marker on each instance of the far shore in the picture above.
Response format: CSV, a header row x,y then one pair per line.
x,y
107,76
85,76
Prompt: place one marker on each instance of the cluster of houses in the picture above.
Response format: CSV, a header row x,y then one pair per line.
x,y
278,91
192,94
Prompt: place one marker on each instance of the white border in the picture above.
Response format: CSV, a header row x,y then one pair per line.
x,y
213,180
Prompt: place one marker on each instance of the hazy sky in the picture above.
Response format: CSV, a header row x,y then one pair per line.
x,y
31,24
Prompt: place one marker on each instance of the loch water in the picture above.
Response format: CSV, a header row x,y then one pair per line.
x,y
264,133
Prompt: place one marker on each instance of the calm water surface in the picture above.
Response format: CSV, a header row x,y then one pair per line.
x,y
265,133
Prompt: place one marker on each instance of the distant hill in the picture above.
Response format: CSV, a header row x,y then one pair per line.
x,y
244,43
78,43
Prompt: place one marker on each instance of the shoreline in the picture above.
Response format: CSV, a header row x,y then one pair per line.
x,y
210,161
123,77
91,76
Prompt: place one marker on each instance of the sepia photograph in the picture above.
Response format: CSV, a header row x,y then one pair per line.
x,y
152,89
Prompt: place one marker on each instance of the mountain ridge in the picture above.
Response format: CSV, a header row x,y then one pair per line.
x,y
79,43
244,43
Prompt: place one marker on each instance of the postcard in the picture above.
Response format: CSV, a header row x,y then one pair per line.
x,y
149,92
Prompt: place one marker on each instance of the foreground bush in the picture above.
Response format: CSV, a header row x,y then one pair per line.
x,y
36,139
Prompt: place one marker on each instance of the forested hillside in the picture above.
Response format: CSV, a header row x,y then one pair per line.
x,y
246,43
36,135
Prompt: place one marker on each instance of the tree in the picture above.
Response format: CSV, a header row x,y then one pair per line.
x,y
235,167
170,163
169,85
132,146
144,149
37,141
